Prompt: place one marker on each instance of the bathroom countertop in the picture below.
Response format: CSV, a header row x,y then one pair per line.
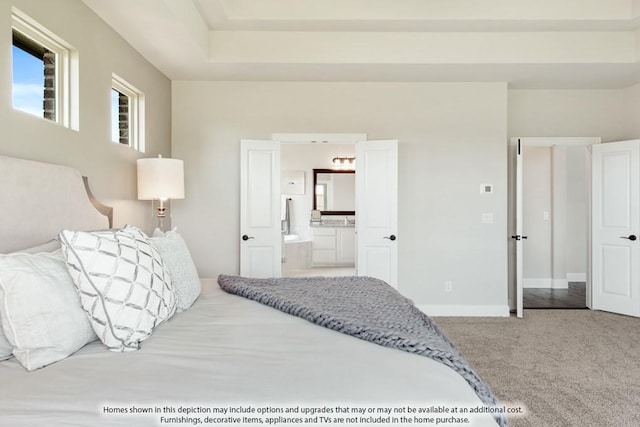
x,y
333,223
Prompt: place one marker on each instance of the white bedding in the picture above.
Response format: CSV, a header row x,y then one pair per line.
x,y
227,350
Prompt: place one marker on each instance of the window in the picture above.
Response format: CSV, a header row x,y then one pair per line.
x,y
44,72
120,117
29,83
127,114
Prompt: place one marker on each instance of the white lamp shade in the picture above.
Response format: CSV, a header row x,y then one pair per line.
x,y
160,178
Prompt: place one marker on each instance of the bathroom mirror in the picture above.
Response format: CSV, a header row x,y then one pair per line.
x,y
334,191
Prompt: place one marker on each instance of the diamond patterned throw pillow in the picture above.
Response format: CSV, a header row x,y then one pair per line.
x,y
123,283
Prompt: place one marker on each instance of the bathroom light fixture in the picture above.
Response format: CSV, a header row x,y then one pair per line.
x,y
160,179
344,161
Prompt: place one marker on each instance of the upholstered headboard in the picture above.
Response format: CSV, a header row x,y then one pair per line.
x,y
38,200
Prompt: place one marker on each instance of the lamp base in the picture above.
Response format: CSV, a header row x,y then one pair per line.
x,y
161,214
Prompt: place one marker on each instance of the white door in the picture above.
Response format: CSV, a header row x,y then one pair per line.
x,y
616,226
519,235
377,210
260,236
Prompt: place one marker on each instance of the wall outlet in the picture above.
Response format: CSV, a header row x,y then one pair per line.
x,y
448,286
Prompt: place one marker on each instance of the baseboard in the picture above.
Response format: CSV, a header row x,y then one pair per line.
x,y
537,283
560,284
546,283
576,277
466,310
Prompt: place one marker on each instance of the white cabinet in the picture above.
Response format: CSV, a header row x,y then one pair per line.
x,y
333,246
323,246
346,245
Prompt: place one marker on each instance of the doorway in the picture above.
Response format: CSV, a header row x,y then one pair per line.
x,y
376,251
556,223
550,215
323,245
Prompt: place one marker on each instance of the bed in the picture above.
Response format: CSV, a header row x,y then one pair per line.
x,y
226,360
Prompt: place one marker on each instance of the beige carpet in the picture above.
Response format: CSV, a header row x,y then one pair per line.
x,y
568,367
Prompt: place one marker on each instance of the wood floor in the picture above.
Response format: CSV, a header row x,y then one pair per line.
x,y
574,297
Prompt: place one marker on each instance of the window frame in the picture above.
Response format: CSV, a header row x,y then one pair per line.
x,y
136,112
66,67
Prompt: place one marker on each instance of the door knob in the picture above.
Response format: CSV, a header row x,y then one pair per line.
x,y
245,237
631,237
392,237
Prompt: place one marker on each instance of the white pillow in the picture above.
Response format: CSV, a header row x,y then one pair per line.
x,y
124,285
6,349
184,276
50,246
40,309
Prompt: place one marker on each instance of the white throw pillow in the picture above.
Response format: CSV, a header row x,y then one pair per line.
x,y
184,275
6,349
40,309
124,285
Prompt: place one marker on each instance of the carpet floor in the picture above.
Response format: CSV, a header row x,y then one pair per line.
x,y
566,367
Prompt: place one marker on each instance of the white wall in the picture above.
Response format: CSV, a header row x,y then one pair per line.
x,y
536,185
577,213
555,113
631,112
110,167
452,138
612,114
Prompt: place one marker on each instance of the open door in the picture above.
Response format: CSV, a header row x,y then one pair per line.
x,y
519,235
260,235
616,227
377,210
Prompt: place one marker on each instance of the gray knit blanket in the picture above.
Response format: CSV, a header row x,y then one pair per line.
x,y
365,308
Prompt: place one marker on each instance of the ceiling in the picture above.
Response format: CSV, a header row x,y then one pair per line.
x,y
529,44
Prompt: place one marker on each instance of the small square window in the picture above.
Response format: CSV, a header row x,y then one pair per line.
x,y
44,72
127,114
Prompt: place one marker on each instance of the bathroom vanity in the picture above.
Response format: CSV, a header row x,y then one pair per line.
x,y
333,245
333,239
